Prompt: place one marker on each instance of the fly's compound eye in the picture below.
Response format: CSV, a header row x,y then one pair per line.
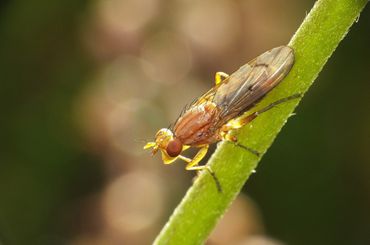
x,y
174,147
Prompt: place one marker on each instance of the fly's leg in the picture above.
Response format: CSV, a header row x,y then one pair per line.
x,y
220,76
245,119
225,135
276,103
196,159
192,164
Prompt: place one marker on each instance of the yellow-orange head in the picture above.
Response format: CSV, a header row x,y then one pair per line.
x,y
169,146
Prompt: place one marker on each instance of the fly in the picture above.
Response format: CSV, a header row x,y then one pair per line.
x,y
216,113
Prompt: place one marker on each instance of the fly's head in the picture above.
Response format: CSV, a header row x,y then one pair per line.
x,y
169,146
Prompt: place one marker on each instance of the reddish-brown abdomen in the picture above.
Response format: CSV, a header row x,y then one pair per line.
x,y
195,127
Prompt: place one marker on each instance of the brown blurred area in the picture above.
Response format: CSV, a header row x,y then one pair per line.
x,y
88,83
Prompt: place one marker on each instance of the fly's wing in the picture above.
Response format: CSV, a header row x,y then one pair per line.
x,y
251,82
206,97
202,100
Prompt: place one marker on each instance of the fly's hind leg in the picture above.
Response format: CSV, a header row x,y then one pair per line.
x,y
192,164
245,119
220,76
276,103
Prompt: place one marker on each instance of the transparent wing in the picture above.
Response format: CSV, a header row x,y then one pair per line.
x,y
206,97
245,87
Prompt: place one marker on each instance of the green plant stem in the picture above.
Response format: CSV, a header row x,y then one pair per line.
x,y
314,42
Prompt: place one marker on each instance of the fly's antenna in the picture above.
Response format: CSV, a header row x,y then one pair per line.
x,y
141,140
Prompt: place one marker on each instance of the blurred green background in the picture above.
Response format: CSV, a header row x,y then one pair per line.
x,y
85,83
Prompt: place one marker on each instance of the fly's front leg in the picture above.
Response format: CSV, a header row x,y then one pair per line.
x,y
192,164
220,76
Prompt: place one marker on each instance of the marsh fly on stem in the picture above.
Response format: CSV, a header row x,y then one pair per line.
x,y
224,108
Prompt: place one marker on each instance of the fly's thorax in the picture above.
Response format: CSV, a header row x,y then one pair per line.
x,y
196,125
